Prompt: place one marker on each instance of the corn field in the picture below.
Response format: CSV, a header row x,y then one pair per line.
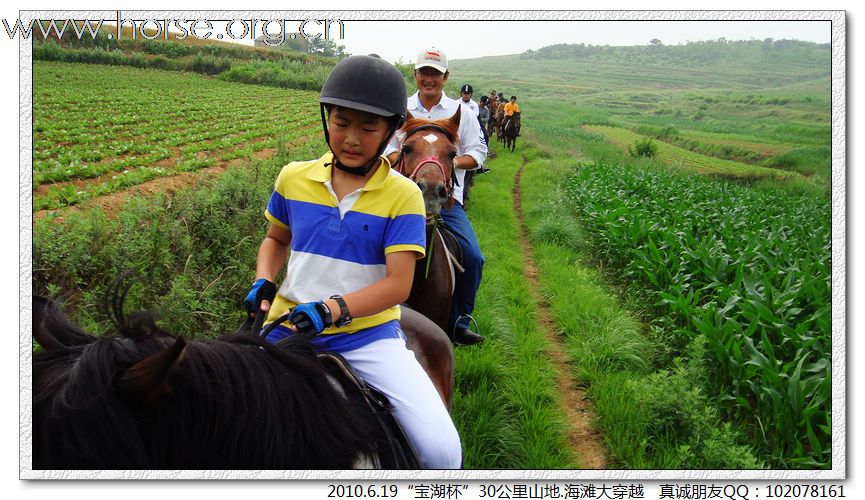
x,y
747,269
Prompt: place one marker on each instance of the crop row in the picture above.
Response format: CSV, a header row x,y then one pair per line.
x,y
55,122
85,164
118,127
94,117
89,146
143,169
683,158
748,270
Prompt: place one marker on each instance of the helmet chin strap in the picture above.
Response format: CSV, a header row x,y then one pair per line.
x,y
358,171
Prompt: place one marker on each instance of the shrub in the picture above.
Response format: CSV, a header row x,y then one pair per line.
x,y
643,148
668,132
48,51
209,64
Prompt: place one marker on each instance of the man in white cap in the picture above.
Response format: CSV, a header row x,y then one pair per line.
x,y
430,102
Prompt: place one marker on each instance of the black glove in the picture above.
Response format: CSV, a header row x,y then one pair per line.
x,y
310,318
262,289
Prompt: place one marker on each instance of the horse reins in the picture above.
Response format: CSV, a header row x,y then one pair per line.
x,y
435,160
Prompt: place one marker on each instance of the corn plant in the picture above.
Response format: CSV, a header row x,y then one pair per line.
x,y
747,269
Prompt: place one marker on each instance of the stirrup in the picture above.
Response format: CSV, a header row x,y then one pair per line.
x,y
472,321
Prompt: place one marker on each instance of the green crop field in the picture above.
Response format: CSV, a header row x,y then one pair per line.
x,y
748,270
116,127
714,93
685,159
688,293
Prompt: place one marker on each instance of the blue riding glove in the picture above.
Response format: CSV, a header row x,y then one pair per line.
x,y
310,318
262,289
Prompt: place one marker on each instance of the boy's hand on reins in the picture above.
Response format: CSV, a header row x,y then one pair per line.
x,y
310,318
259,297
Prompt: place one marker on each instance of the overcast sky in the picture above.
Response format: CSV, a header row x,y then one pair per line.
x,y
466,39
399,39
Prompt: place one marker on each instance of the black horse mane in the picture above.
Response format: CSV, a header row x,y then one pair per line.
x,y
140,398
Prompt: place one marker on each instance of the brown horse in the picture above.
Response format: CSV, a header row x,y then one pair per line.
x,y
433,350
491,123
427,153
426,156
500,122
511,129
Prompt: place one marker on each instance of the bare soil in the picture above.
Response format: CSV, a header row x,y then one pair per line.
x,y
113,202
586,442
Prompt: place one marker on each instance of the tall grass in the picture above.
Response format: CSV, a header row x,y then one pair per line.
x,y
507,379
655,411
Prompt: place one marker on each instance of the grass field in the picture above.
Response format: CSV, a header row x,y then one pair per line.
x,y
685,159
716,93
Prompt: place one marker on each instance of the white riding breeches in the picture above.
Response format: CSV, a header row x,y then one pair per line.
x,y
390,367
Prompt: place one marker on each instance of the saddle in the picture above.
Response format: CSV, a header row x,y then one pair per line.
x,y
396,452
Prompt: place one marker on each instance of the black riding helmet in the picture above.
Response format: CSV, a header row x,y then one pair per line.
x,y
365,83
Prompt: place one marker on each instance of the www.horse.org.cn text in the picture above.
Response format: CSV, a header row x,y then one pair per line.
x,y
273,32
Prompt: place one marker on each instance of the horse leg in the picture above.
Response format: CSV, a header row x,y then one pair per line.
x,y
433,350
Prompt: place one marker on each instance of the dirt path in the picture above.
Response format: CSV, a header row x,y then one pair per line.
x,y
586,442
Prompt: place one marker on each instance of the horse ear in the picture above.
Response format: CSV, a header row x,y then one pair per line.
x,y
52,329
148,379
408,116
456,116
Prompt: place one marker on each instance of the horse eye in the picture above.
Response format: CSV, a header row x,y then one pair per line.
x,y
407,150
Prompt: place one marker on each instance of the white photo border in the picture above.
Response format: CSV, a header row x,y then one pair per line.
x,y
839,270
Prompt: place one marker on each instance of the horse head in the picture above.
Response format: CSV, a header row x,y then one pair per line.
x,y
427,152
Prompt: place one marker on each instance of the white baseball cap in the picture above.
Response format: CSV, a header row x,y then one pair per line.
x,y
433,58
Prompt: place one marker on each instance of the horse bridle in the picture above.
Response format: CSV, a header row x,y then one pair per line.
x,y
435,160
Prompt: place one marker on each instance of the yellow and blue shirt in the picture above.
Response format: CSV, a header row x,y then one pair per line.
x,y
339,246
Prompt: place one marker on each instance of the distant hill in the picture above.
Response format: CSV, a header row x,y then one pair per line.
x,y
573,69
764,102
701,53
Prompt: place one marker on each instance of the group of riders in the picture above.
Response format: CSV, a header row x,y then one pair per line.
x,y
494,112
351,230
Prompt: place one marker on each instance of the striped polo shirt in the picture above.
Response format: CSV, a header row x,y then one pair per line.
x,y
339,247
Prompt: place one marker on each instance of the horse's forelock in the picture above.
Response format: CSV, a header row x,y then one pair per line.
x,y
451,130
